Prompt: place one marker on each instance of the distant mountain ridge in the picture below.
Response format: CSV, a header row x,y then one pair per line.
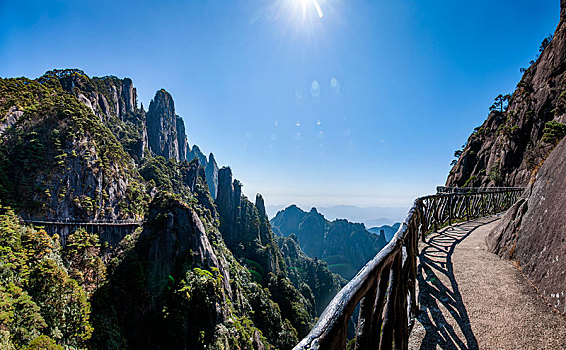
x,y
369,216
388,231
346,247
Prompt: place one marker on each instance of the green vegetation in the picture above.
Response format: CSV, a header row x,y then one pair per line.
x,y
55,137
470,181
457,155
40,304
82,254
507,129
553,132
501,103
163,284
311,276
495,173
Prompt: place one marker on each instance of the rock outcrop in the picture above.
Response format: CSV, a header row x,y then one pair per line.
x,y
182,142
521,146
59,160
509,147
211,171
246,232
346,247
162,126
533,231
174,236
114,101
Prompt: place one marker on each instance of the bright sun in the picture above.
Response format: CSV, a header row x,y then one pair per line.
x,y
309,5
304,16
304,10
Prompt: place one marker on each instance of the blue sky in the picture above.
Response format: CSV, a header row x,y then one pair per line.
x,y
356,102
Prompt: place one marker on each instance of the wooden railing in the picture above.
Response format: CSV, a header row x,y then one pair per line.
x,y
385,287
68,222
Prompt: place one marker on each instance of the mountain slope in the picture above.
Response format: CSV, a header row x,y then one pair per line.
x,y
346,247
198,274
388,231
58,160
509,147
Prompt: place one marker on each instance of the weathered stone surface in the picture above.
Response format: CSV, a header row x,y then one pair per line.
x,y
162,126
175,233
508,147
533,232
227,202
114,101
197,153
211,171
182,139
247,233
10,119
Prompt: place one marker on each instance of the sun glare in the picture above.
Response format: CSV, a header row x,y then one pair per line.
x,y
303,16
306,9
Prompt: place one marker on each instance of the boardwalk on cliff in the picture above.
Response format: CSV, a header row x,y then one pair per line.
x,y
471,299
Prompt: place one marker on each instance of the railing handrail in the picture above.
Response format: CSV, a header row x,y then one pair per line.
x,y
392,272
80,223
450,189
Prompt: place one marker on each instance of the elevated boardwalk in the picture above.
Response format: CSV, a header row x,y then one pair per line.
x,y
111,232
469,298
83,223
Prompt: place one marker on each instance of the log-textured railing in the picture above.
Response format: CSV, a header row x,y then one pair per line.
x,y
385,287
69,222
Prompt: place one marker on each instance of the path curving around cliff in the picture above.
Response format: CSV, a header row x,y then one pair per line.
x,y
471,299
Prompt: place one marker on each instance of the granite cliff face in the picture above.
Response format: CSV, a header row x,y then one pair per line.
x,y
346,247
533,231
159,130
162,126
58,159
509,147
211,171
114,101
245,227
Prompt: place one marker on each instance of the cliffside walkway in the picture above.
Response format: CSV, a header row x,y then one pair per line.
x,y
82,223
469,298
446,292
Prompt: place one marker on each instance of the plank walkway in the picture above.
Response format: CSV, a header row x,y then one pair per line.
x,y
85,223
471,299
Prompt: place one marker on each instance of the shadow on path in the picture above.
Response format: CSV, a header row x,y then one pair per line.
x,y
442,311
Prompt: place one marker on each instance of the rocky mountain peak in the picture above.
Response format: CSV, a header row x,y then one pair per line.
x,y
162,126
211,171
260,205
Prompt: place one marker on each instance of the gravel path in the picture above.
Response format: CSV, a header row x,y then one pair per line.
x,y
472,299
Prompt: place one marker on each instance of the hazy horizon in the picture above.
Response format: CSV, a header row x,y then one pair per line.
x,y
319,103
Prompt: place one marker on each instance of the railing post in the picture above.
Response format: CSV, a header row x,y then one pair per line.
x,y
364,330
467,203
378,308
450,210
434,214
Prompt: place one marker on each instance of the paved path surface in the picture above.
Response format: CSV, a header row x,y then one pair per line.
x,y
472,299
